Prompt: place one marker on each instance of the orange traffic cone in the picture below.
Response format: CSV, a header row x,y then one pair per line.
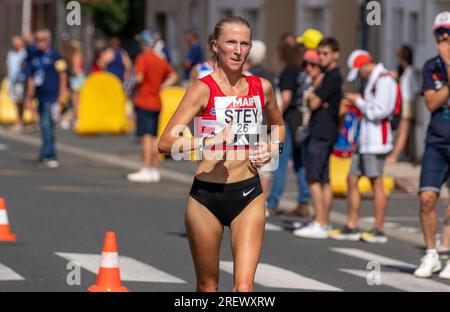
x,y
5,231
108,279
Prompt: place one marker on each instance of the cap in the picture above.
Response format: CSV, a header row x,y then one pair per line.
x,y
442,20
311,56
357,59
146,37
310,38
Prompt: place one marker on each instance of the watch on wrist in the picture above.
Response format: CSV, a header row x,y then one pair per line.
x,y
280,146
201,144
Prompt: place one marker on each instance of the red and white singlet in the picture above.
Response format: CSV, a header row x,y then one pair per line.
x,y
244,111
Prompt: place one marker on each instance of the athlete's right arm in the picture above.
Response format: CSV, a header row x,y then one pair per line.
x,y
194,101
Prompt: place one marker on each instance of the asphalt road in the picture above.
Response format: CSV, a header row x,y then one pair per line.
x,y
61,215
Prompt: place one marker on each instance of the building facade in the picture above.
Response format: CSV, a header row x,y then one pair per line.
x,y
21,16
402,22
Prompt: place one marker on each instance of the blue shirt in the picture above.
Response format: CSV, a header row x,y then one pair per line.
x,y
45,68
116,67
195,55
434,78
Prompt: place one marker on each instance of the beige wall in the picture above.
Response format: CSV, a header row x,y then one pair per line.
x,y
344,27
10,25
278,19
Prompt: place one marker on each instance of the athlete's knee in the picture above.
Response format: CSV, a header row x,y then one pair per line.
x,y
243,287
207,285
427,202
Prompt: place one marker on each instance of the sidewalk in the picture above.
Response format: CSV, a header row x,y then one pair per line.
x,y
407,178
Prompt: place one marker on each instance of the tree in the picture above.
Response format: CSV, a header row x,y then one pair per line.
x,y
109,16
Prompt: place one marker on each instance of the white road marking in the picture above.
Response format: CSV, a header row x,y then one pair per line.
x,y
403,281
6,274
368,256
131,270
4,147
275,277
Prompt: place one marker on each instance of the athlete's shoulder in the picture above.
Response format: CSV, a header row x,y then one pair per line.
x,y
199,88
266,85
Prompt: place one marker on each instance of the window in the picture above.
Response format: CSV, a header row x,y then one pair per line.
x,y
398,26
42,16
225,13
315,18
252,17
194,14
413,28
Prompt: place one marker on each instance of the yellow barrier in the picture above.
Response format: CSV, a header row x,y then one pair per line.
x,y
339,170
102,106
8,108
170,99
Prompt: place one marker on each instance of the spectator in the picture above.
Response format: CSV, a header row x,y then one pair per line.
x,y
15,61
289,89
75,61
161,47
152,74
375,142
310,38
287,38
48,83
256,59
408,89
436,159
194,55
324,102
203,69
121,65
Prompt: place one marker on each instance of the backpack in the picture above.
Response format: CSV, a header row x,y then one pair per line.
x,y
396,115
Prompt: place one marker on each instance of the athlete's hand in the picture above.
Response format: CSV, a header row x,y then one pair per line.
x,y
260,155
225,136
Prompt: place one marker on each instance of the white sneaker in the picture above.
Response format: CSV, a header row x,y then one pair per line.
x,y
445,273
145,176
313,230
430,263
49,163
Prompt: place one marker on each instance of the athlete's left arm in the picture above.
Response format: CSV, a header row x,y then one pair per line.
x,y
273,114
264,151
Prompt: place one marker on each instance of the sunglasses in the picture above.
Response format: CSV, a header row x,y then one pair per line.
x,y
442,31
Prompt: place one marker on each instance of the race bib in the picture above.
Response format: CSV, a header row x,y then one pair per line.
x,y
245,113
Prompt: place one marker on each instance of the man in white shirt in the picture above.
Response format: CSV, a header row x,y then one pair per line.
x,y
375,142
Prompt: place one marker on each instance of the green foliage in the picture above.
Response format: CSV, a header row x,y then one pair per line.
x,y
110,16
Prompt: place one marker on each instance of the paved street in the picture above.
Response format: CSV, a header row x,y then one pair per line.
x,y
61,215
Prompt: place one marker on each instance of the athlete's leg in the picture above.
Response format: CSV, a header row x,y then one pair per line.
x,y
204,233
247,233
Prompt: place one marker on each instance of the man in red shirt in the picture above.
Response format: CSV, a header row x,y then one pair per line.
x,y
153,73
